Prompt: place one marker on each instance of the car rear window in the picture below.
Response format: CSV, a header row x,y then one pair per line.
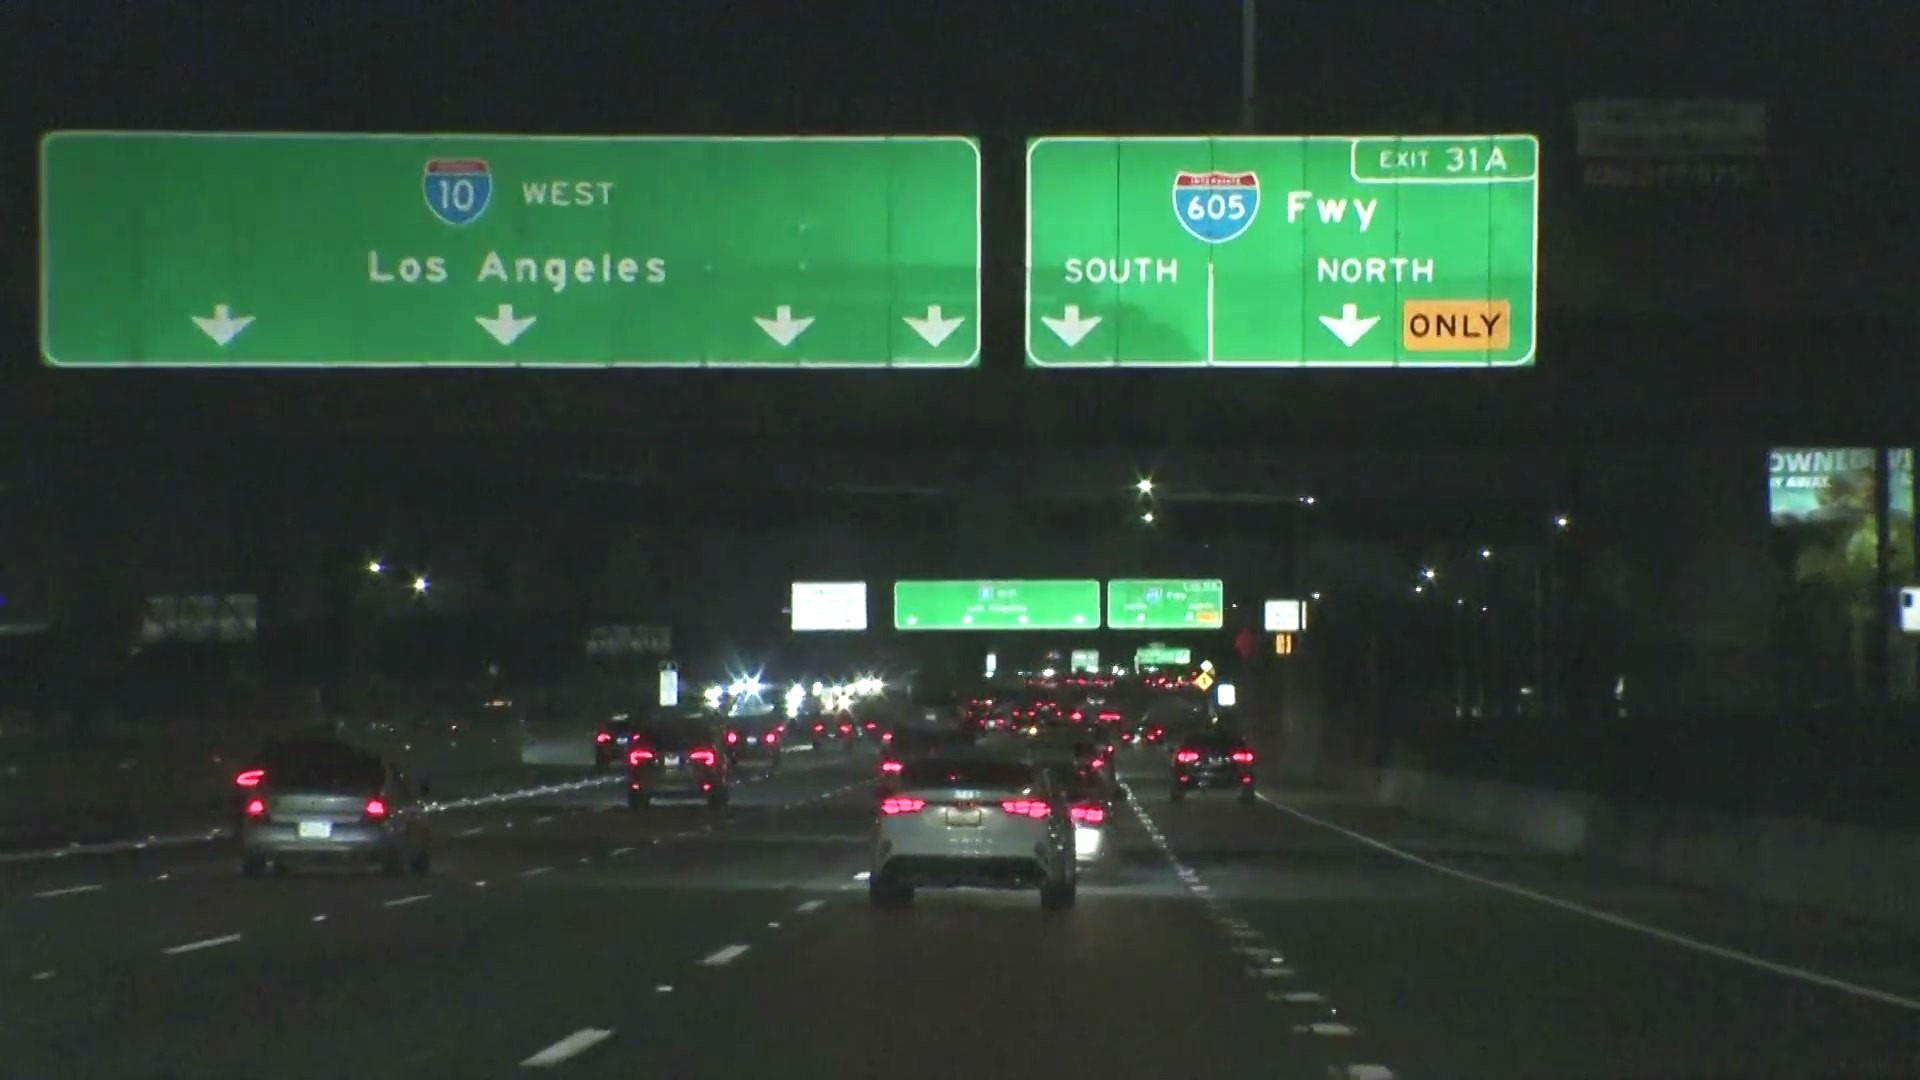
x,y
947,772
1217,742
678,734
323,766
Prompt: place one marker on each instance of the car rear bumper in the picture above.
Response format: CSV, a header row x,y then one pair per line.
x,y
965,871
346,841
1206,777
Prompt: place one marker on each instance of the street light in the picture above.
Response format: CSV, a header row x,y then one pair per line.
x,y
420,585
1561,521
1429,573
374,567
1315,598
1147,517
1308,500
1144,485
1486,553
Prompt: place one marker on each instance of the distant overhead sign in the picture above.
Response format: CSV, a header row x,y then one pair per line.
x,y
1162,656
996,605
163,249
829,605
1165,604
1335,251
1285,616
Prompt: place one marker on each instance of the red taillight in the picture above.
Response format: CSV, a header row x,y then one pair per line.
x,y
702,757
250,778
901,805
732,737
891,766
1089,815
773,737
639,757
846,729
886,736
1097,763
818,728
871,725
1109,717
603,737
1243,757
1186,757
376,808
256,808
1076,716
1033,808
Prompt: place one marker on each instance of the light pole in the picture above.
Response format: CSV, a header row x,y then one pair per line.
x,y
1247,64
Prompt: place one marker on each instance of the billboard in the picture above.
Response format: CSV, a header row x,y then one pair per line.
x,y
1811,485
829,605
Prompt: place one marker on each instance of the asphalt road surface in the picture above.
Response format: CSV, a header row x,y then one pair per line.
x,y
1305,936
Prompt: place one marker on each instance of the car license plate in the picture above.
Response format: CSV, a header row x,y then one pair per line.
x,y
753,739
673,760
964,817
316,830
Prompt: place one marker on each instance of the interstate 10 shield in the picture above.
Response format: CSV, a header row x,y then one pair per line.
x,y
1215,206
457,189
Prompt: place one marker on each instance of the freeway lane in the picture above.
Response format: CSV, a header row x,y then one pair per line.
x,y
1443,976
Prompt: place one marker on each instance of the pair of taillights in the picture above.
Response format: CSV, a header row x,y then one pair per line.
x,y
1030,808
375,810
698,757
772,737
1188,757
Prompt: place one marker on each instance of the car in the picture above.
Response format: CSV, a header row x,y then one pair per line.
x,y
610,742
754,737
326,801
679,752
1213,759
950,822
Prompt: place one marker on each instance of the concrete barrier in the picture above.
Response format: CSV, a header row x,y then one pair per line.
x,y
1846,870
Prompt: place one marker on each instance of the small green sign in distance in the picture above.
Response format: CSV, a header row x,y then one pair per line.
x,y
1322,251
996,605
1165,604
1162,656
163,249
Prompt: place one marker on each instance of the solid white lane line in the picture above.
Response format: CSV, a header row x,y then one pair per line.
x,y
619,851
203,943
536,871
42,976
573,1044
1624,923
811,905
414,899
475,831
725,955
71,890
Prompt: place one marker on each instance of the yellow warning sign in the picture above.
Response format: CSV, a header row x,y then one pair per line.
x,y
1283,644
1456,325
1204,681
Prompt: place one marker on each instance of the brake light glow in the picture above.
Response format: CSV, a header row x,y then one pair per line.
x,y
256,808
846,729
639,757
603,737
376,808
1089,815
1109,716
1243,757
902,805
871,725
818,728
773,736
702,757
1187,756
1097,763
891,766
250,778
1033,808
1076,716
732,737
886,737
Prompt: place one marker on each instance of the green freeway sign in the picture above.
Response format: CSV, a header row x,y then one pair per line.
x,y
996,605
1162,656
1165,604
1348,251
277,250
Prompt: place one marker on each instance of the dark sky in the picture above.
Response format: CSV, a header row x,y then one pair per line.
x,y
1789,310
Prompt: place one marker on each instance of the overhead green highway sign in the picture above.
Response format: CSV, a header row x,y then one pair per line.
x,y
996,605
1165,604
282,250
1334,251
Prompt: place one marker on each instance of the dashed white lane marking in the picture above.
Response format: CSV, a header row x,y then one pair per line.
x,y
811,905
71,890
404,900
42,976
863,875
543,820
573,1044
161,877
481,884
773,926
1272,971
319,918
1624,923
619,851
584,860
1368,1072
536,871
203,943
475,831
1303,997
1325,1027
725,955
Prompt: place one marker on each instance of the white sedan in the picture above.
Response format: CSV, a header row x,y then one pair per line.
x,y
953,822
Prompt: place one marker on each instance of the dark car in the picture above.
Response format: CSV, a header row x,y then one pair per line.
x,y
1213,759
679,752
313,800
611,741
755,736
